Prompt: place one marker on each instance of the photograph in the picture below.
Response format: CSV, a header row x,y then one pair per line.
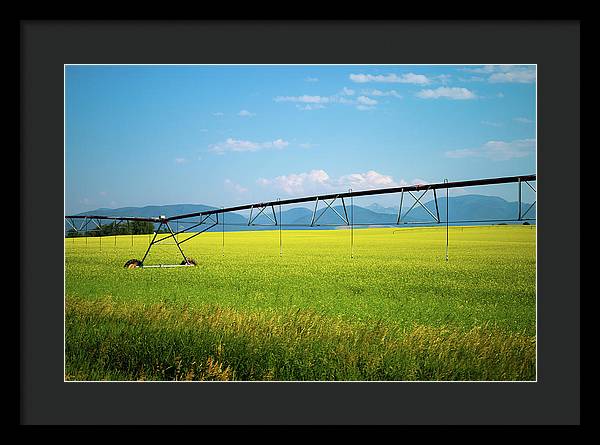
x,y
300,223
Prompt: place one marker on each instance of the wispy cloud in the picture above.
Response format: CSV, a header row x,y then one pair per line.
x,y
303,99
497,150
311,79
318,181
484,69
308,102
246,113
523,120
492,124
346,97
365,103
239,145
368,180
380,93
442,78
180,161
364,100
298,183
310,106
418,79
517,76
472,79
218,114
505,73
453,93
234,186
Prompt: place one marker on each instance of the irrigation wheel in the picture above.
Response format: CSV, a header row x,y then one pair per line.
x,y
132,264
189,262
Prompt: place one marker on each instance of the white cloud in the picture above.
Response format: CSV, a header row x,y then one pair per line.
x,y
318,181
453,93
234,186
278,143
103,194
443,78
246,113
180,161
345,97
310,106
311,79
492,124
314,181
497,150
472,79
218,114
303,99
380,93
308,102
342,100
486,69
263,181
506,73
417,181
418,79
238,145
364,100
523,120
519,76
368,180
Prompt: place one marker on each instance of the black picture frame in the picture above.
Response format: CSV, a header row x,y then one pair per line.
x,y
45,46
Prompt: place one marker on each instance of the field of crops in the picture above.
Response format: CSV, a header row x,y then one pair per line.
x,y
395,311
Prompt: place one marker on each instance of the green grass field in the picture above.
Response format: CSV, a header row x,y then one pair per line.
x,y
396,311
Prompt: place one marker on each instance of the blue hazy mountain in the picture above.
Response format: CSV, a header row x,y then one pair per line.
x,y
378,208
471,208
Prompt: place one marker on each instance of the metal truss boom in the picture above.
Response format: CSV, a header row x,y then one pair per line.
x,y
334,196
210,218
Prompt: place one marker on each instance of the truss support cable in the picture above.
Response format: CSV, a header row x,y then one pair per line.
x,y
437,210
351,225
179,247
519,199
151,242
447,202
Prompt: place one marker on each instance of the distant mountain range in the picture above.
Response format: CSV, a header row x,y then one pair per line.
x,y
472,208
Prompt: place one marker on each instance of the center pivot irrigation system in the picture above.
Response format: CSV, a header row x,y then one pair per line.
x,y
210,218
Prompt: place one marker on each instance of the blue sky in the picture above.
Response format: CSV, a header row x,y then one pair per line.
x,y
231,134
